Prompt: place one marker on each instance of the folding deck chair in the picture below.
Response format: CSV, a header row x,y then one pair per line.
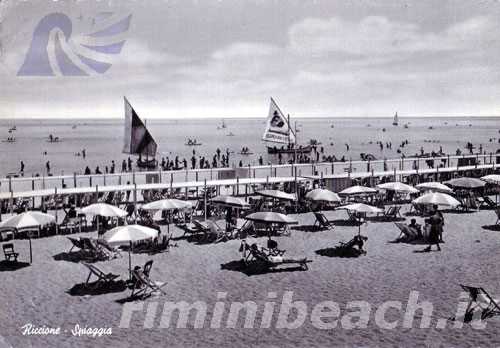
x,y
102,278
142,285
322,221
393,213
268,260
10,254
407,233
497,211
480,301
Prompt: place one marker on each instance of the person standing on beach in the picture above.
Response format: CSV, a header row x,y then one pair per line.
x,y
124,166
436,223
22,168
47,166
129,164
84,153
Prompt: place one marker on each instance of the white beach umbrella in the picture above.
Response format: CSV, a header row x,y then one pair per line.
x,y
277,194
167,204
437,198
230,201
433,186
492,178
398,187
322,195
466,183
361,208
358,190
271,217
104,209
28,219
128,234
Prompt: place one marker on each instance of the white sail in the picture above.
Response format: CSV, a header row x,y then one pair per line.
x,y
137,140
278,129
395,121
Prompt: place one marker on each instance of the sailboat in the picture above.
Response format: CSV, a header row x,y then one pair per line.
x,y
279,131
395,121
137,140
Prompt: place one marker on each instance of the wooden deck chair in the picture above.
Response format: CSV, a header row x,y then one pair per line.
x,y
76,243
407,233
217,233
94,250
393,213
8,251
102,278
143,286
322,221
480,302
497,211
353,217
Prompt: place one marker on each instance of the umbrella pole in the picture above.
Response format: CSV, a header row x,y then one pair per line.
x,y
130,262
31,252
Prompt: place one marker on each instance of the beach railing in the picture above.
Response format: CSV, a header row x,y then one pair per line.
x,y
23,184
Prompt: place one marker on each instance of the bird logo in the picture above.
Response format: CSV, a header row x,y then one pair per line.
x,y
54,51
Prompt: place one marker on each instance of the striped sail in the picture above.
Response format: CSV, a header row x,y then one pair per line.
x,y
137,140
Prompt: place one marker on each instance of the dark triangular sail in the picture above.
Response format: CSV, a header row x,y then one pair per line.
x,y
137,140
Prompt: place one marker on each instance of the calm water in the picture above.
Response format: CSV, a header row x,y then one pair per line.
x,y
103,139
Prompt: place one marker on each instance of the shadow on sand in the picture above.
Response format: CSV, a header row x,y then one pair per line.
x,y
251,268
9,266
495,228
339,252
96,288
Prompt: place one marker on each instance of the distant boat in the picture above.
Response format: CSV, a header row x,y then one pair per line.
x,y
279,131
406,125
191,142
137,140
53,139
395,120
9,140
13,128
230,134
74,126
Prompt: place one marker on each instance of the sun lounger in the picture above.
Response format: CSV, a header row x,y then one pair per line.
x,y
486,202
322,221
10,254
216,233
408,233
96,251
76,243
102,278
497,211
480,302
354,247
268,260
393,213
142,285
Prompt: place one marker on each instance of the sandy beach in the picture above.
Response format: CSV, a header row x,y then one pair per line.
x,y
38,294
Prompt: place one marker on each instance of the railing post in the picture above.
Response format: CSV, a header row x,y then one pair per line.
x,y
74,180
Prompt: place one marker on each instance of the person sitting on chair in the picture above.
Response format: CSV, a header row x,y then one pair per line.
x,y
417,228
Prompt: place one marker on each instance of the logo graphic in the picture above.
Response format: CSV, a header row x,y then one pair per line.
x,y
54,52
277,121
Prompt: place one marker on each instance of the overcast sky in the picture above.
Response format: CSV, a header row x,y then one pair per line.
x,y
226,58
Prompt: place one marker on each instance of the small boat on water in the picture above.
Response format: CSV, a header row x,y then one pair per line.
x,y
245,151
9,140
406,125
192,142
13,128
53,139
395,120
279,131
138,140
230,134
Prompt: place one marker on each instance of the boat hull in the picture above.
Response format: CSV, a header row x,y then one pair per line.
x,y
277,150
149,164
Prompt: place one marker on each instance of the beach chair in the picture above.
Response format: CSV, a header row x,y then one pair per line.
x,y
76,243
10,254
269,261
353,217
393,213
216,233
142,285
354,247
407,234
103,279
95,251
479,302
322,221
486,202
497,211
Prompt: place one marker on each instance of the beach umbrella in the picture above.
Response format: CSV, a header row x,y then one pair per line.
x,y
271,218
358,190
437,198
28,219
466,183
322,195
492,178
362,208
230,201
167,204
434,186
398,187
128,234
104,209
277,194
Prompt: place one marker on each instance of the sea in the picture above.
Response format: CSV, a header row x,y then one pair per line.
x,y
102,139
